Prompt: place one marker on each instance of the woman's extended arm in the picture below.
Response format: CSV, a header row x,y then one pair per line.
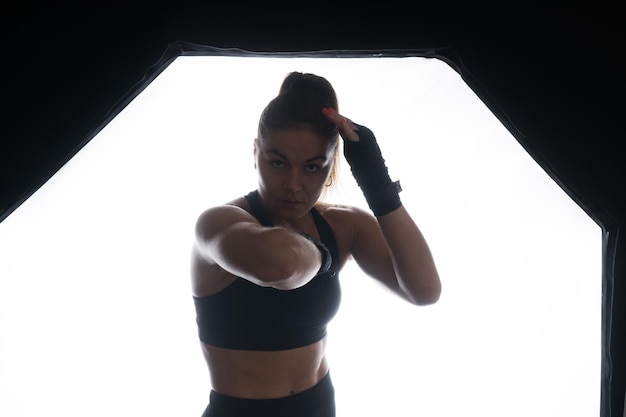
x,y
267,256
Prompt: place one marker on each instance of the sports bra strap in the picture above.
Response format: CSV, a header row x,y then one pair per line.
x,y
257,209
326,235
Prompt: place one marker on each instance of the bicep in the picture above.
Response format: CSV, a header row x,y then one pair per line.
x,y
225,235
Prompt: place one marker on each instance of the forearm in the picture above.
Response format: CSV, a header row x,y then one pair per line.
x,y
268,256
272,257
411,256
295,258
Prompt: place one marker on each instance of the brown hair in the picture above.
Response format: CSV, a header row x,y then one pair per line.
x,y
299,104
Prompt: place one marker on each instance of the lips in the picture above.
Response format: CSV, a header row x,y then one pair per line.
x,y
292,203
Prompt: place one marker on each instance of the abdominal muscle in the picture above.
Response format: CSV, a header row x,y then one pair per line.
x,y
264,375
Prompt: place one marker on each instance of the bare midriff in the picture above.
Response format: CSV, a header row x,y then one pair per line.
x,y
265,374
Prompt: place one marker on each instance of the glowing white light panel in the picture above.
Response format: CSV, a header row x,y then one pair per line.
x,y
96,316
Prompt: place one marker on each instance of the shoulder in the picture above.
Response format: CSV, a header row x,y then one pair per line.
x,y
237,205
346,221
233,211
343,212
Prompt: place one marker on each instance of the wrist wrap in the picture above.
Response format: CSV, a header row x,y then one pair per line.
x,y
370,172
327,260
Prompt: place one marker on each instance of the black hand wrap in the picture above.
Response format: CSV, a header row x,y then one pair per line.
x,y
370,172
327,259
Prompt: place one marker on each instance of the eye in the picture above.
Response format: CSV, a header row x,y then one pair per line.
x,y
313,168
276,163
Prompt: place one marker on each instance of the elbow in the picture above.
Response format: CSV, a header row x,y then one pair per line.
x,y
280,276
273,274
426,299
280,273
426,295
288,263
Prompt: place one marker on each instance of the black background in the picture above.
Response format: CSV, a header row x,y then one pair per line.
x,y
553,75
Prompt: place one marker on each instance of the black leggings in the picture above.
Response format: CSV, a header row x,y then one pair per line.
x,y
317,401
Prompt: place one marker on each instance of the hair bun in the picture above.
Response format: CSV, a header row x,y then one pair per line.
x,y
310,84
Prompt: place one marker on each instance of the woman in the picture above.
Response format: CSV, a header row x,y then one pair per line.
x,y
265,267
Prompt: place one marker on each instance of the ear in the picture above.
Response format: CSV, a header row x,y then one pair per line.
x,y
255,150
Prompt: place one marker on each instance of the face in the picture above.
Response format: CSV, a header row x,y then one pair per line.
x,y
293,167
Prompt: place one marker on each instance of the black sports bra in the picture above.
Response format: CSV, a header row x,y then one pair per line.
x,y
250,317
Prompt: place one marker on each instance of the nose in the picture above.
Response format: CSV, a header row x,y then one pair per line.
x,y
293,182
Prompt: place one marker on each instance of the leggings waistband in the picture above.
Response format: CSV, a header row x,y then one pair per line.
x,y
317,401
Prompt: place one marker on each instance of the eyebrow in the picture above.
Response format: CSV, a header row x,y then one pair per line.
x,y
315,158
